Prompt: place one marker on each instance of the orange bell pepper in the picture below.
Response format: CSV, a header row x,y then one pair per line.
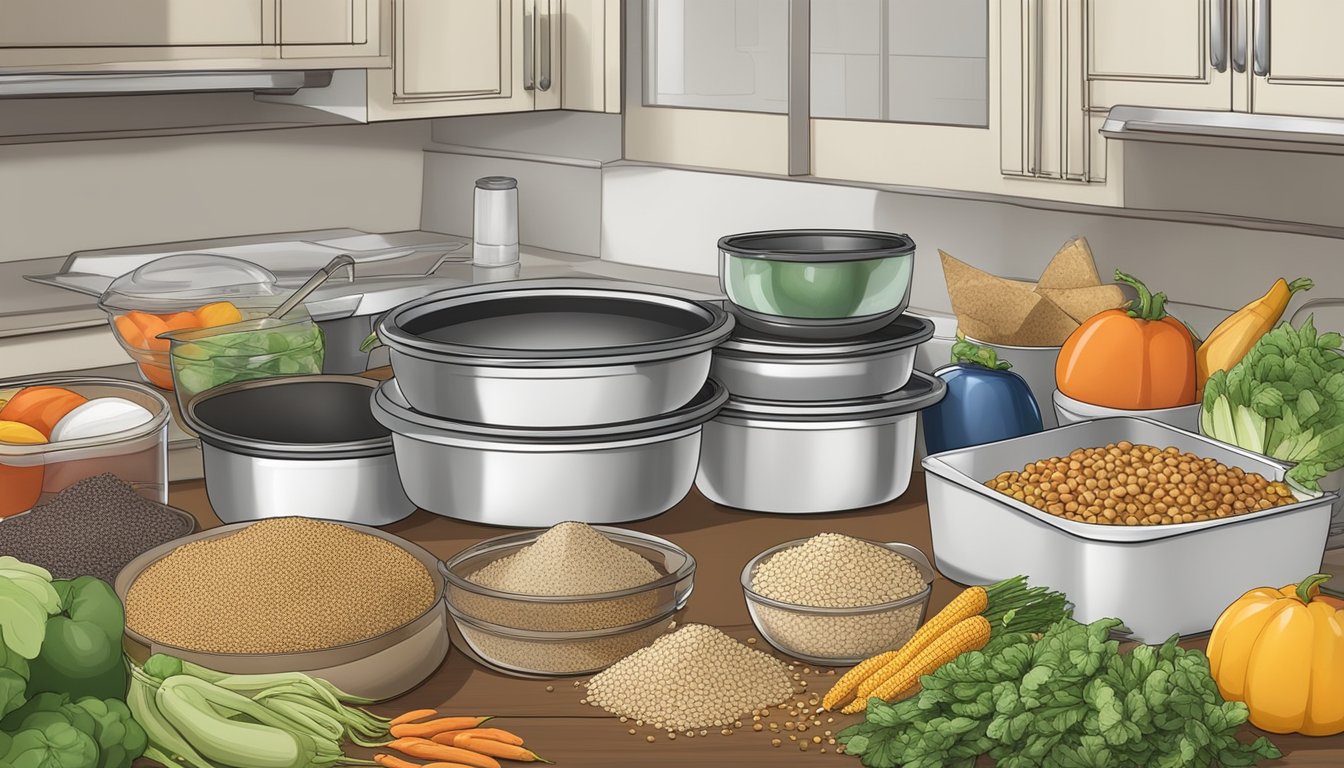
x,y
1136,358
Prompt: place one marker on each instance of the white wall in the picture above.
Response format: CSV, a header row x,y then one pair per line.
x,y
62,197
673,218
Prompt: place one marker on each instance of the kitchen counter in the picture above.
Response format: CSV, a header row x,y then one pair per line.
x,y
560,729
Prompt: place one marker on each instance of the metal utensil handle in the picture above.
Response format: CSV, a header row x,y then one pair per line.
x,y
529,63
1238,37
1262,38
295,299
1218,35
545,35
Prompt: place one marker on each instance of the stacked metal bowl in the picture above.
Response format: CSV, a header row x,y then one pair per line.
x,y
533,402
823,395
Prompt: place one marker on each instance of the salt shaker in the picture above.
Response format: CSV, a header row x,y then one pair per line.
x,y
495,232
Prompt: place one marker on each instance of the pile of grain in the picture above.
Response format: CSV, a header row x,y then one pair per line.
x,y
279,586
831,570
568,560
696,677
92,528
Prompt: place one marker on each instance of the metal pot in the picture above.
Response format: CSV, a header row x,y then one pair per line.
x,y
552,353
504,476
762,366
299,445
802,458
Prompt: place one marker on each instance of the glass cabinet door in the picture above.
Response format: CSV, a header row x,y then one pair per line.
x,y
717,54
905,61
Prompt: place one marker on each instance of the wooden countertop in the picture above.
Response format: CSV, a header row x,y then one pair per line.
x,y
722,540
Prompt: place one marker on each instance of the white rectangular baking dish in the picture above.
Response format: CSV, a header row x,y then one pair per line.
x,y
1160,580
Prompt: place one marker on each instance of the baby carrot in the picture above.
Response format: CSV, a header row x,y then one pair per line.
x,y
428,750
388,761
430,727
493,734
413,715
497,749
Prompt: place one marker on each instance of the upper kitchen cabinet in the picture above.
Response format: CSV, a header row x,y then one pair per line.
x,y
469,57
1295,61
1161,53
148,35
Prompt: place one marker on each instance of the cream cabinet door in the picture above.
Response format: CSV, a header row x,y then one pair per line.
x,y
1161,53
139,23
332,29
589,58
458,49
1296,61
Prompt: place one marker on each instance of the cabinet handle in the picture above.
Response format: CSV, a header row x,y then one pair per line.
x,y
529,60
1262,38
1218,35
1238,37
545,34
1038,92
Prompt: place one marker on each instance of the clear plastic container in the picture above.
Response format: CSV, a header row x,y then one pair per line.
x,y
29,474
838,636
183,292
204,358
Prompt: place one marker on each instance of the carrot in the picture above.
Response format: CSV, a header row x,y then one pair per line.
x,y
971,602
969,635
413,715
493,734
497,749
429,728
388,761
428,750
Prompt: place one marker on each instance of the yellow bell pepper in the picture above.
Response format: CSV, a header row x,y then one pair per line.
x,y
1233,338
1281,651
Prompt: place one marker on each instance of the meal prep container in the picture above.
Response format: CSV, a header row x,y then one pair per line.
x,y
801,458
527,653
302,445
816,283
167,287
851,634
1159,579
1071,411
552,353
380,668
138,456
205,358
763,366
576,613
506,476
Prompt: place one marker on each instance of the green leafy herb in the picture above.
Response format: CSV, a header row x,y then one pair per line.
x,y
1067,700
1285,400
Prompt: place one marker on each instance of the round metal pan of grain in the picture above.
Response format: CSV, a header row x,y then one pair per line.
x,y
351,604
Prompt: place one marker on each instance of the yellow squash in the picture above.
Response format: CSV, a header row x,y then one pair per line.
x,y
1233,338
1282,652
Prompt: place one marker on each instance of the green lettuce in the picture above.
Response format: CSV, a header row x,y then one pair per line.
x,y
1284,400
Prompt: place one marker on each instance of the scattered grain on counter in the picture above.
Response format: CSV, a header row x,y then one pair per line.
x,y
568,560
696,677
282,585
92,528
831,570
1127,484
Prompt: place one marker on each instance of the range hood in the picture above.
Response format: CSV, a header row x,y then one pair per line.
x,y
1244,130
280,82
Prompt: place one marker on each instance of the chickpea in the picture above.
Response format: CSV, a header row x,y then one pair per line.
x,y
1127,484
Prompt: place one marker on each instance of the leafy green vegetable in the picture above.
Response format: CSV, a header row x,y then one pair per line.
x,y
54,745
120,739
22,619
81,650
1285,400
1067,700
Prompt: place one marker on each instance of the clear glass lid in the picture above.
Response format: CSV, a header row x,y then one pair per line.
x,y
187,280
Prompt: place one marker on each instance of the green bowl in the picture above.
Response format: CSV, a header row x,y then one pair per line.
x,y
817,275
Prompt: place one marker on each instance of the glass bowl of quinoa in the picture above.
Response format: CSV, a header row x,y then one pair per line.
x,y
352,604
835,600
571,577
